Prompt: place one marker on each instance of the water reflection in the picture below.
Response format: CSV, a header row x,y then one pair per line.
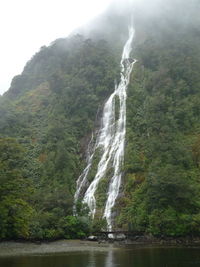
x,y
109,259
99,259
133,257
92,259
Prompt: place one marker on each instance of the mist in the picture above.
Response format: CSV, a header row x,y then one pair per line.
x,y
144,14
112,25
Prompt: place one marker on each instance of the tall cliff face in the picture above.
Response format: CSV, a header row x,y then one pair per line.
x,y
48,115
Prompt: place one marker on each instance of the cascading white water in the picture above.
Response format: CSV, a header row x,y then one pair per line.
x,y
110,141
119,138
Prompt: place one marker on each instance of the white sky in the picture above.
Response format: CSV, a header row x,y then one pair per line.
x,y
26,25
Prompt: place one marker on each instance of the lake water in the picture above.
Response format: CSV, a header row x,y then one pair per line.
x,y
133,257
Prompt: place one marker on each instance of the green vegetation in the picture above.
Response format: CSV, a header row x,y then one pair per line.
x,y
15,211
161,193
51,109
48,116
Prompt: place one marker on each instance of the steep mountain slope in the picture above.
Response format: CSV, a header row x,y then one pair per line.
x,y
48,115
50,110
162,156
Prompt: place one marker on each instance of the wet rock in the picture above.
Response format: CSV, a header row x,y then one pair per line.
x,y
92,238
120,237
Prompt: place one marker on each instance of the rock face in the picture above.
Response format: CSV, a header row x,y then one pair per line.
x,y
131,60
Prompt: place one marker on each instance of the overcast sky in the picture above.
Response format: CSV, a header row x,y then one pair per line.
x,y
26,25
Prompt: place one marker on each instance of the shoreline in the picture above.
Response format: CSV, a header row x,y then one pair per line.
x,y
26,248
20,248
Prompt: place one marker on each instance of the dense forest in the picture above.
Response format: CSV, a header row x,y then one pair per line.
x,y
50,111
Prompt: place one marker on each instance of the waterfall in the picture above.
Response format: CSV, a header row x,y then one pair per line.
x,y
110,141
119,137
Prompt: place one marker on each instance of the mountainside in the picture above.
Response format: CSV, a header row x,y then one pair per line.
x,y
49,113
51,110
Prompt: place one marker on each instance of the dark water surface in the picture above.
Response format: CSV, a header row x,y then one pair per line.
x,y
134,257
